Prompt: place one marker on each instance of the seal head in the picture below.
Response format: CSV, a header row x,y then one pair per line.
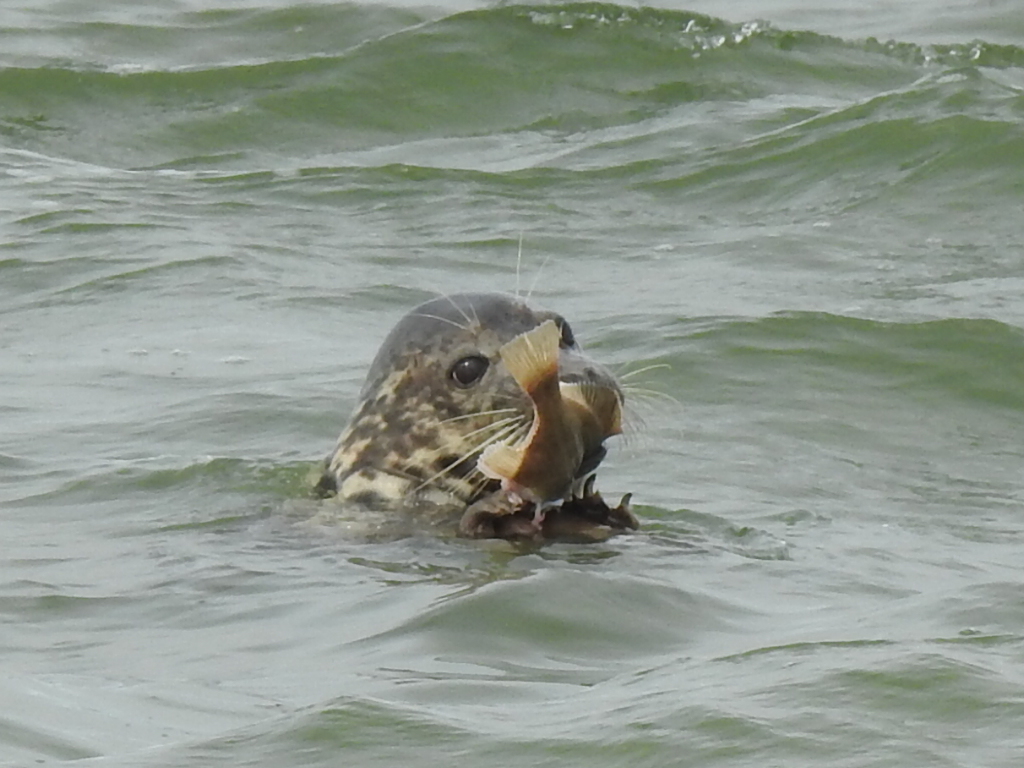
x,y
436,395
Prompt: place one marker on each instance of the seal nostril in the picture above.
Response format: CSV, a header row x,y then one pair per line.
x,y
567,340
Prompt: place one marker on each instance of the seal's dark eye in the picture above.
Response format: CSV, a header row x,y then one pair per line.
x,y
469,370
567,340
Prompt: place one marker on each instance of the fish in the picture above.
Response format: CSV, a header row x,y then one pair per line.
x,y
571,420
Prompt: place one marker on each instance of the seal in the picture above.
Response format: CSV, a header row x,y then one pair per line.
x,y
436,396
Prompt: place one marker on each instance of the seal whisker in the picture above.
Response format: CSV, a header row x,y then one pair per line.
x,y
645,369
464,416
633,421
504,432
643,393
519,261
510,437
536,277
515,437
507,431
461,311
443,320
521,431
634,433
643,402
495,425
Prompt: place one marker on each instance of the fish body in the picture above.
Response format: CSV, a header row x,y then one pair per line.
x,y
570,420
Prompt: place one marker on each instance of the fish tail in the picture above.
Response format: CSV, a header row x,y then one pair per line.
x,y
532,357
500,461
604,403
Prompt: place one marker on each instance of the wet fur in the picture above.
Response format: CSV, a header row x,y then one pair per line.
x,y
415,436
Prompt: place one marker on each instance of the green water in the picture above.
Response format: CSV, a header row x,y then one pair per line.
x,y
807,217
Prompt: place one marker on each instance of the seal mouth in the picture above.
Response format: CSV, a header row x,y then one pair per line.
x,y
576,407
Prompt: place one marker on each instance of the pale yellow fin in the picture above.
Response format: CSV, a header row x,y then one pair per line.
x,y
500,461
531,356
603,402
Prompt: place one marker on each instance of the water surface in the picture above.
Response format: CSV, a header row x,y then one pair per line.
x,y
809,213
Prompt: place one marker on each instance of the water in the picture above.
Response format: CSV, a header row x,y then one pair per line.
x,y
811,213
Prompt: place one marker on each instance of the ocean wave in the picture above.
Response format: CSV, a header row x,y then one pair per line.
x,y
556,70
977,361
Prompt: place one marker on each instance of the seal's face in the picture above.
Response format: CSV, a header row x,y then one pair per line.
x,y
436,395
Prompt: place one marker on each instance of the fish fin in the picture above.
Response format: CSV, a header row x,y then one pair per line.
x,y
500,461
603,402
533,356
